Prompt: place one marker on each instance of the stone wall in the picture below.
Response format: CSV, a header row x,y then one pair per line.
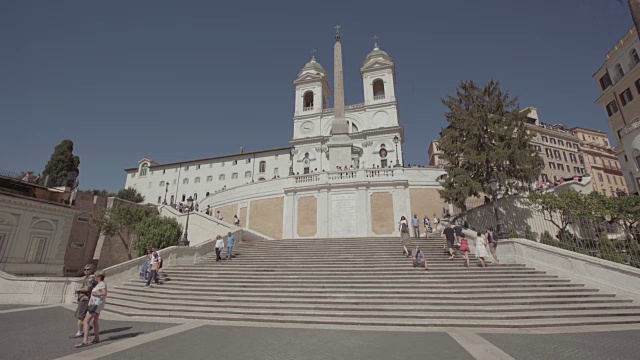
x,y
227,212
426,202
266,216
382,220
307,216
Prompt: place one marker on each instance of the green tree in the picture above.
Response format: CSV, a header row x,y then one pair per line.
x,y
61,163
560,209
626,209
122,221
157,232
130,194
486,139
102,192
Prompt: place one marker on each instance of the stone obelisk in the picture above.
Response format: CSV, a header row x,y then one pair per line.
x,y
340,142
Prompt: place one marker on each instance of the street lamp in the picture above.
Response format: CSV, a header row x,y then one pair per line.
x,y
185,239
495,186
166,190
396,139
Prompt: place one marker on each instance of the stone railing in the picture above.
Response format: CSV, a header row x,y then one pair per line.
x,y
307,178
377,173
50,290
341,175
633,126
378,97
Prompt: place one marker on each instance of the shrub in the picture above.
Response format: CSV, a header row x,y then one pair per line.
x,y
157,232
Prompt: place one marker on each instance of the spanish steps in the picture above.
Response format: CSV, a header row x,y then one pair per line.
x,y
367,282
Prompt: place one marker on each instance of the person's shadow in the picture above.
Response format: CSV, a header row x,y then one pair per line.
x,y
120,336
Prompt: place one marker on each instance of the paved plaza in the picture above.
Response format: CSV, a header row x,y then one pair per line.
x,y
42,332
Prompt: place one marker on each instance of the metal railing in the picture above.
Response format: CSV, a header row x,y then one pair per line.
x,y
602,239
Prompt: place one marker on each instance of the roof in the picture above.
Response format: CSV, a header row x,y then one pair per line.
x,y
589,130
215,158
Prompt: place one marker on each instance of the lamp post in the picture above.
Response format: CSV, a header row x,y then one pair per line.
x,y
396,139
495,186
166,190
185,239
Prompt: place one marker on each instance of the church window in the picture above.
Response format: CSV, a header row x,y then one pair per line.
x,y
378,89
221,177
161,183
196,180
263,166
185,181
247,174
234,175
210,178
143,169
307,101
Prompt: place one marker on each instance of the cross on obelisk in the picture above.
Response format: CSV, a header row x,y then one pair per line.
x,y
313,54
375,40
337,32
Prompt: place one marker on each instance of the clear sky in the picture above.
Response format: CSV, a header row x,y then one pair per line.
x,y
181,80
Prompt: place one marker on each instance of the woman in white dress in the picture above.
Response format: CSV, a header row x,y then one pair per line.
x,y
481,249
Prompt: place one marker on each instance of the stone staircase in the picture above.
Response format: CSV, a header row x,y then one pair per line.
x,y
367,282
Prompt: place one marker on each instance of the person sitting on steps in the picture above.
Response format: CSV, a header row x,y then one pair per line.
x,y
419,259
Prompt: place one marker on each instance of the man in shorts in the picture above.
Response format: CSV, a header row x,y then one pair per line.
x,y
450,236
84,293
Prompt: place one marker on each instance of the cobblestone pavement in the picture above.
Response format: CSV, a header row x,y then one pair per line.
x,y
618,345
38,332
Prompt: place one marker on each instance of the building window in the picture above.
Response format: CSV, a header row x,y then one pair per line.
x,y
626,97
378,89
196,180
164,171
275,172
195,196
612,108
573,158
221,177
159,199
183,197
247,161
561,167
553,141
263,167
634,57
307,101
235,162
210,178
36,249
557,154
569,145
549,153
619,71
545,139
637,157
222,163
564,154
161,183
615,180
185,181
637,84
560,142
247,174
143,169
545,178
172,199
605,81
186,168
552,165
275,157
198,167
606,142
234,175
600,177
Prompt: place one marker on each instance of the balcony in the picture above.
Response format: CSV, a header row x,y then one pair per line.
x,y
307,108
378,97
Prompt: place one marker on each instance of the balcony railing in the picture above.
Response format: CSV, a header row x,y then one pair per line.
x,y
378,97
307,108
633,126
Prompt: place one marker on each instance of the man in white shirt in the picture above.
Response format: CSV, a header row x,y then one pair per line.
x,y
219,246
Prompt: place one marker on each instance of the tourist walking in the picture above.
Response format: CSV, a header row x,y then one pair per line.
x,y
219,215
481,249
415,223
493,244
230,242
95,306
450,237
403,226
464,248
236,220
156,261
427,225
145,266
419,259
436,221
219,246
83,295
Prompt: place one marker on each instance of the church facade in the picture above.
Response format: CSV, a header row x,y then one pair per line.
x,y
342,176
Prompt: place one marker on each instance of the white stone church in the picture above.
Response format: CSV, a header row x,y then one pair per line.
x,y
341,176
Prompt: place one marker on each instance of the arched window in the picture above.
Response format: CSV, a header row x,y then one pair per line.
x,y
143,169
307,101
378,89
197,180
263,167
161,183
207,194
221,177
247,174
354,128
634,57
183,197
172,199
261,179
185,181
619,70
195,196
159,199
234,175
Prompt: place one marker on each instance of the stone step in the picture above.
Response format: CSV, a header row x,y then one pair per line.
x,y
417,276
255,303
320,273
314,267
360,261
581,296
502,322
395,315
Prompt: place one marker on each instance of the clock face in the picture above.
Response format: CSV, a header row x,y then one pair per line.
x,y
306,127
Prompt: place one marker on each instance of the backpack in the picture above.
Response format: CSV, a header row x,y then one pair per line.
x,y
492,238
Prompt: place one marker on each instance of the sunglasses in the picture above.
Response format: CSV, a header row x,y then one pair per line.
x,y
87,269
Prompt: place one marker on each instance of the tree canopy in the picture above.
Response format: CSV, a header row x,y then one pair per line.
x,y
157,232
121,221
486,139
130,194
61,164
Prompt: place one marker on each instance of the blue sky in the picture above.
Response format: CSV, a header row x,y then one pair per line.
x,y
180,80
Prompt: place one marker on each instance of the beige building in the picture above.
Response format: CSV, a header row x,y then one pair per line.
x,y
619,82
435,155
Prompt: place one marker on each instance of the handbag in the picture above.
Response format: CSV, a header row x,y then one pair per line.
x,y
93,304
